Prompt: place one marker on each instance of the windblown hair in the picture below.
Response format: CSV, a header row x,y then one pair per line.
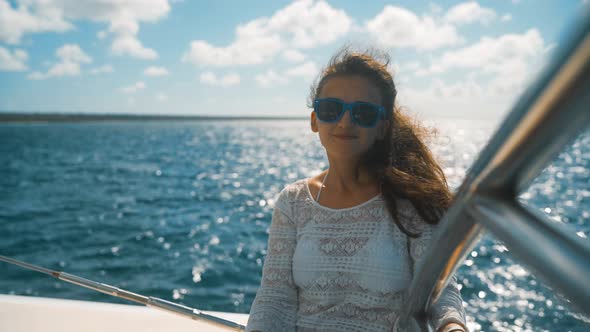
x,y
402,163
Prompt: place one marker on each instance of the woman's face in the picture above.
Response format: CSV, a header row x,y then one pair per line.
x,y
344,138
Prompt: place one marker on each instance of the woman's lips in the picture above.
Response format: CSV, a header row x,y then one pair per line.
x,y
348,137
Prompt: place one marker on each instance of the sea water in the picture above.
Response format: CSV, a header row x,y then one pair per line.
x,y
180,210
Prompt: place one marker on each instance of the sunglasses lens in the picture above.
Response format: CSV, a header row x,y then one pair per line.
x,y
329,110
365,115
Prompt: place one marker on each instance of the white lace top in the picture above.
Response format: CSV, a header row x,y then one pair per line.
x,y
341,269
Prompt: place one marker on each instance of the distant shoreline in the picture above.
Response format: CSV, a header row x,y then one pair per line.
x,y
79,117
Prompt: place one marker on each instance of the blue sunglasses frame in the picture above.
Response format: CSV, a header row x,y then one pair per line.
x,y
349,107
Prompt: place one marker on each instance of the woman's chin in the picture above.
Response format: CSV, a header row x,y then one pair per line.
x,y
344,152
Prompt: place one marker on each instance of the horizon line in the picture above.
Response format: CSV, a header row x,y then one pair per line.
x,y
96,117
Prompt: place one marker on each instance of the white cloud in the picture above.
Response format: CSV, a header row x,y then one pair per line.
x,y
293,55
469,12
404,69
549,48
227,80
13,61
36,75
309,24
70,58
72,53
399,27
506,18
471,97
133,88
155,71
302,24
28,17
123,18
306,70
161,97
494,72
101,34
102,70
509,54
130,45
253,49
467,99
270,78
468,89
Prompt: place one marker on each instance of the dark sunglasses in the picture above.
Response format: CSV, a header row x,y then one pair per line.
x,y
364,114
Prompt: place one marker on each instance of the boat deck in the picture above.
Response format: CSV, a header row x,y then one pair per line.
x,y
32,314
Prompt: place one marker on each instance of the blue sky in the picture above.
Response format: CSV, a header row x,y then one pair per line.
x,y
229,58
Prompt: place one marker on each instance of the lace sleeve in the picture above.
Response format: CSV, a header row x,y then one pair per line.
x,y
275,305
449,308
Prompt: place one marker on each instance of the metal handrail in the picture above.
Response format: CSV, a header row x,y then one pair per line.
x,y
148,301
550,114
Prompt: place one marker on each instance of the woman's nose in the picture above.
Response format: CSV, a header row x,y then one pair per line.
x,y
346,119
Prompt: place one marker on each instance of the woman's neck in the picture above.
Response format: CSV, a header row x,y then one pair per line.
x,y
347,175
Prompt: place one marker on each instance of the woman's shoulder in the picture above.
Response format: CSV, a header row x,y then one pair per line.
x,y
293,189
292,192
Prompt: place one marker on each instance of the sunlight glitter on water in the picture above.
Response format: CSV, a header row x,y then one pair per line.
x,y
99,204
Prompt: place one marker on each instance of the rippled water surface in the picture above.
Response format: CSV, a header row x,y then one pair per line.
x,y
181,211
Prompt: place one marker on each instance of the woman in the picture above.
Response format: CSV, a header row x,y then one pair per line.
x,y
343,244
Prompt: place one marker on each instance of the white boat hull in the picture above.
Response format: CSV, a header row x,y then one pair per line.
x,y
36,314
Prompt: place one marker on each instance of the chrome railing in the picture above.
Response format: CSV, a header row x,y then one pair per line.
x,y
149,301
548,116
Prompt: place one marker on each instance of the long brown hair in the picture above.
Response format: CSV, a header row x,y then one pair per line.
x,y
402,163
